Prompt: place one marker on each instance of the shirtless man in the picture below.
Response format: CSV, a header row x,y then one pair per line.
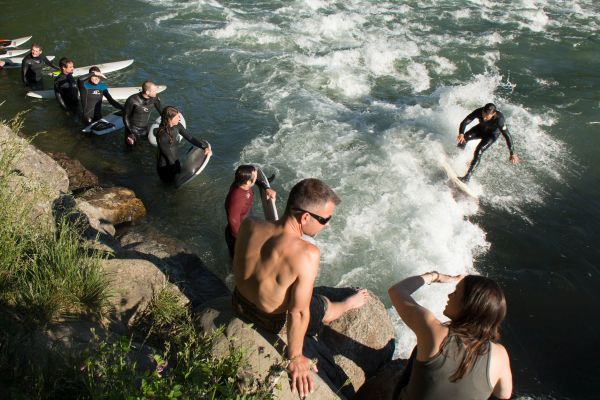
x,y
275,271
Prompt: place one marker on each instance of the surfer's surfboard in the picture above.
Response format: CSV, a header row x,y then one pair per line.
x,y
14,42
104,68
117,93
194,164
463,187
12,53
268,206
154,127
110,123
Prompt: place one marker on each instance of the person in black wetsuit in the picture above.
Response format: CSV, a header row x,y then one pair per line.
x,y
167,164
91,91
137,112
491,125
65,86
31,67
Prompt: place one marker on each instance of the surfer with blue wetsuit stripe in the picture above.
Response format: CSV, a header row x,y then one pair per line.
x,y
491,125
65,86
92,91
167,163
137,112
31,67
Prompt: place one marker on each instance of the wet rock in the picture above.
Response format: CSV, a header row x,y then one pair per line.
x,y
80,178
116,204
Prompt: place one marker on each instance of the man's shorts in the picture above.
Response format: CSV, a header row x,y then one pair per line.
x,y
275,323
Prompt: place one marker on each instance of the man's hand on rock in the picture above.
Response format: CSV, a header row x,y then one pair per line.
x,y
300,373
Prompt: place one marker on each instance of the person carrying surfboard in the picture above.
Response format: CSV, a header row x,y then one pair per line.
x,y
92,91
275,272
491,125
239,200
167,163
65,86
31,67
137,112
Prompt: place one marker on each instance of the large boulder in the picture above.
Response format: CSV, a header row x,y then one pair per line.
x,y
133,284
361,340
116,204
181,265
262,350
35,175
350,349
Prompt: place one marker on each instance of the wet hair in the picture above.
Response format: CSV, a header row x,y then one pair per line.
x,y
62,63
309,194
243,174
147,85
166,115
94,69
483,310
489,108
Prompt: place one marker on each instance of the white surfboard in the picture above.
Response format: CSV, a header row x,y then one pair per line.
x,y
14,42
117,93
110,123
15,62
269,207
154,127
463,187
104,68
194,163
12,53
19,60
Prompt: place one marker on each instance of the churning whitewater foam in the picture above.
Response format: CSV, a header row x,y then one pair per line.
x,y
368,96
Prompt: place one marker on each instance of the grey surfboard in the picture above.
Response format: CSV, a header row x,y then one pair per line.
x,y
268,206
194,163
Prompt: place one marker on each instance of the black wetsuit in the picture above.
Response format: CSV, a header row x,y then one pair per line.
x,y
137,113
91,98
167,163
31,70
66,92
487,131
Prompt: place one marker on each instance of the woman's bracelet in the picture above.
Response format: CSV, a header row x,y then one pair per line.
x,y
436,279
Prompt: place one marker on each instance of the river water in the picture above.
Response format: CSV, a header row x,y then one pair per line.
x,y
368,95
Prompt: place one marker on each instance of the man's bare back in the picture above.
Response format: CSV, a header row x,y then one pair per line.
x,y
270,262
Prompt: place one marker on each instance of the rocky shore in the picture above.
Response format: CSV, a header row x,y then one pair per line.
x,y
141,261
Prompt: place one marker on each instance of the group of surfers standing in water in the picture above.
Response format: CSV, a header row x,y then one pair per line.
x,y
275,268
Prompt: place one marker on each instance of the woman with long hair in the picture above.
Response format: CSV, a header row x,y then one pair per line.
x,y
167,164
458,359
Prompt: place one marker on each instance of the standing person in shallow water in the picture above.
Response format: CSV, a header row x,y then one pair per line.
x,y
239,200
167,163
491,125
92,91
275,271
137,112
65,86
31,67
459,359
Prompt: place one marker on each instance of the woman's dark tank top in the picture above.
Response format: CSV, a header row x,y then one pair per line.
x,y
430,380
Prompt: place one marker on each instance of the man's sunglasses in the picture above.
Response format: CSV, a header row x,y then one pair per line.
x,y
321,220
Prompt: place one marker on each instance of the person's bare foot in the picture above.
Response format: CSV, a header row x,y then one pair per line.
x,y
357,300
